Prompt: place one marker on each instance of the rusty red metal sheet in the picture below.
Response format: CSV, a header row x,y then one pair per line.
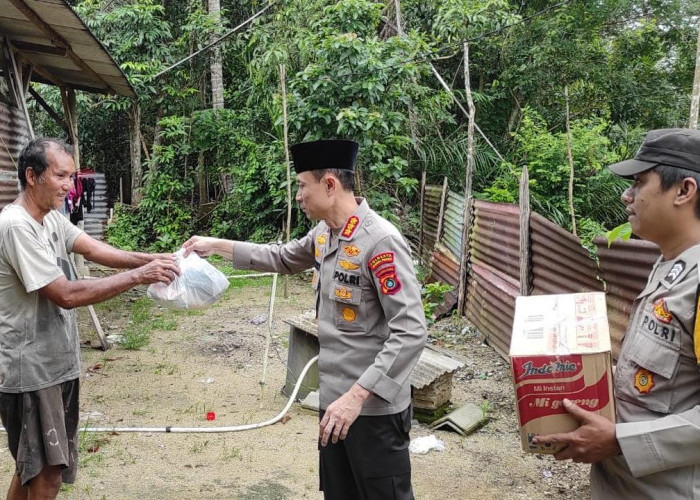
x,y
445,268
625,267
490,306
495,238
559,263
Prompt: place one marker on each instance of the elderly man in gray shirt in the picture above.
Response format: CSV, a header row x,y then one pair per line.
x,y
39,346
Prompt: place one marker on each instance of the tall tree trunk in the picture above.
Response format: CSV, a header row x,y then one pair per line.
x,y
217,76
412,120
695,100
135,153
157,141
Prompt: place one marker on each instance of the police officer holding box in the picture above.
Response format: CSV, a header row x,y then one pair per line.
x,y
371,325
654,449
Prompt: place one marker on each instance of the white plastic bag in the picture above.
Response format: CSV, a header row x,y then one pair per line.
x,y
199,285
423,444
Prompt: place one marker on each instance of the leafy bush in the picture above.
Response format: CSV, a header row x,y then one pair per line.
x,y
433,295
596,190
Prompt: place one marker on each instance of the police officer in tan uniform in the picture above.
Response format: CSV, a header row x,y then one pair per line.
x,y
371,325
653,451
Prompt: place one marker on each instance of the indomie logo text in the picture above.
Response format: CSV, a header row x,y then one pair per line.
x,y
548,368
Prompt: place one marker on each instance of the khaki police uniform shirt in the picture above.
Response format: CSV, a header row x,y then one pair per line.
x,y
371,325
657,392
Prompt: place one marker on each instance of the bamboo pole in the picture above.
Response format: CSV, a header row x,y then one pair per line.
x,y
571,162
421,224
525,233
442,210
466,216
283,78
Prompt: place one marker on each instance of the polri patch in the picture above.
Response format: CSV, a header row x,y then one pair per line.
x,y
381,259
661,312
350,226
347,278
643,381
675,271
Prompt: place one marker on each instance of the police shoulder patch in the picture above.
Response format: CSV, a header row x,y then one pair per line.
x,y
388,280
380,259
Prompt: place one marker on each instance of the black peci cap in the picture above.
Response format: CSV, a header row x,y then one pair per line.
x,y
675,147
318,155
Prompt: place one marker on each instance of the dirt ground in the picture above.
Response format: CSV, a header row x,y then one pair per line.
x,y
212,362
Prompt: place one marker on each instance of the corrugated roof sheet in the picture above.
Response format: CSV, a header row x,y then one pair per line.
x,y
432,365
13,136
49,35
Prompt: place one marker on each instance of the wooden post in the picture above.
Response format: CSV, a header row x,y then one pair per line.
x,y
467,212
283,78
93,315
525,233
19,86
422,216
121,190
442,210
70,108
73,126
571,162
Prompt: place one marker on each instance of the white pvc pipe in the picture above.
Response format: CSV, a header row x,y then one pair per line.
x,y
234,428
268,336
259,275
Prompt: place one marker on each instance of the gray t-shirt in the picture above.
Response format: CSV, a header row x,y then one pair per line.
x,y
39,344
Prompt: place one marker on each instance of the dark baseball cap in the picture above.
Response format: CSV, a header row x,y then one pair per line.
x,y
319,155
675,147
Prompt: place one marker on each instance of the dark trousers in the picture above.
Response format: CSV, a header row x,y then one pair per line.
x,y
371,463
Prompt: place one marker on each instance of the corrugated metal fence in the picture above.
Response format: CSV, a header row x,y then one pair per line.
x,y
494,275
13,136
558,264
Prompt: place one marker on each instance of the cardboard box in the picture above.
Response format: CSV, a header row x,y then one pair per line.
x,y
560,348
